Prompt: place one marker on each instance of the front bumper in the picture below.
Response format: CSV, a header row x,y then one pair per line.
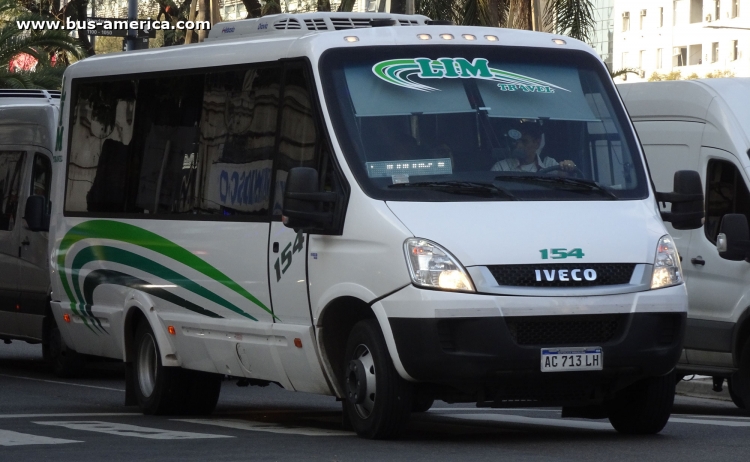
x,y
490,356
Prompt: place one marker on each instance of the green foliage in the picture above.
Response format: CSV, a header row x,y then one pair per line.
x,y
674,75
574,18
621,72
719,74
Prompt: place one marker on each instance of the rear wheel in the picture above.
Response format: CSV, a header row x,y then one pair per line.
x,y
644,407
739,382
65,362
378,401
170,390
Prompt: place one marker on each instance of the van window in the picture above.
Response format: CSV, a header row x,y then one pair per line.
x,y
191,145
432,123
41,176
726,192
11,167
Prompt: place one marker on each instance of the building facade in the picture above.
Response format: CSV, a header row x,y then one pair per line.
x,y
602,38
694,37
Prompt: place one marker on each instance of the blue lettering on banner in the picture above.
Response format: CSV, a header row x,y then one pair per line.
x,y
262,26
227,30
237,189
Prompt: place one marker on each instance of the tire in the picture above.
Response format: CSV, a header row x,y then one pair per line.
x,y
739,382
644,407
164,390
378,401
65,362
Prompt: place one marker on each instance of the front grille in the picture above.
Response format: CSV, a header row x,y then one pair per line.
x,y
587,329
548,275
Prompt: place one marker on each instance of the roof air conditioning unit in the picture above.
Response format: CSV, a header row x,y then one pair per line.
x,y
708,17
626,14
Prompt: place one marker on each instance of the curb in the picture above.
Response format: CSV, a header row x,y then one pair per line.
x,y
702,387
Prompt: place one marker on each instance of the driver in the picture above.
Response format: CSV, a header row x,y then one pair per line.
x,y
525,155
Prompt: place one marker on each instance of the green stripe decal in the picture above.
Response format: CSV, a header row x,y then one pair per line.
x,y
115,255
130,234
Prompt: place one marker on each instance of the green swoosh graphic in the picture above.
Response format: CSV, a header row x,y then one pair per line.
x,y
98,277
124,257
130,234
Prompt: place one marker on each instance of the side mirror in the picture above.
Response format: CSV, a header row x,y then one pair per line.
x,y
687,201
36,213
304,204
733,241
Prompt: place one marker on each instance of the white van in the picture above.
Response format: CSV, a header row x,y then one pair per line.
x,y
703,125
344,204
28,121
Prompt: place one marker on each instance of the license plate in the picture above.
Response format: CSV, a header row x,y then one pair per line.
x,y
571,359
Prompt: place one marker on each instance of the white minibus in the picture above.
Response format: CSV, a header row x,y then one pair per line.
x,y
28,121
379,207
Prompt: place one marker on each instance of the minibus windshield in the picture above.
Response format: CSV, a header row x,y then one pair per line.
x,y
463,123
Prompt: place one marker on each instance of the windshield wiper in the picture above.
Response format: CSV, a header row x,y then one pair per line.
x,y
460,187
572,184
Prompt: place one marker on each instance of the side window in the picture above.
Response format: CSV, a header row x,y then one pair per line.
x,y
11,170
41,176
298,134
199,144
726,192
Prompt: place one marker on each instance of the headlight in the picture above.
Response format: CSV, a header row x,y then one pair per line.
x,y
432,266
667,269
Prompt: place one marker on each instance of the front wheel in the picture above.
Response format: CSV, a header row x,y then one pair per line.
x,y
378,401
644,407
170,390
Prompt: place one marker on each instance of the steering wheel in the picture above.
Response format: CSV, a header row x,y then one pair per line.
x,y
577,172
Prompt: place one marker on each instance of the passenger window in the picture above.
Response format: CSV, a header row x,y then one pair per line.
x,y
41,176
726,192
298,135
198,144
11,167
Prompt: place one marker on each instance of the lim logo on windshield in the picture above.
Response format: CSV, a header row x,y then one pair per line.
x,y
401,72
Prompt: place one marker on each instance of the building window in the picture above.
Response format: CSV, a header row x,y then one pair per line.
x,y
661,16
658,58
679,56
695,55
735,50
717,10
642,19
696,11
714,52
626,21
735,8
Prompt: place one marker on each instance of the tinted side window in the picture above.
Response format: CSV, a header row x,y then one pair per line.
x,y
298,135
41,176
198,144
725,193
11,167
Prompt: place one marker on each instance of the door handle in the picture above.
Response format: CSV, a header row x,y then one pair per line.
x,y
698,261
275,247
26,241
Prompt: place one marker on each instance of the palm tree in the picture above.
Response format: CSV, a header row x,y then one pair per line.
x,y
40,44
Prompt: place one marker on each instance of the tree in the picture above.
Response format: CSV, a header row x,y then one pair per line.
x,y
40,44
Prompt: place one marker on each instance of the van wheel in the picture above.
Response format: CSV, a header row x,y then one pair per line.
x,y
378,401
739,382
65,362
169,390
644,407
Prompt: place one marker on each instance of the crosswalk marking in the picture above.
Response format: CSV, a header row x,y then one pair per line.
x,y
11,438
268,427
61,383
517,419
73,414
698,416
131,430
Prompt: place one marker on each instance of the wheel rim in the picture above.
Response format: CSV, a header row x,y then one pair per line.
x,y
364,409
147,362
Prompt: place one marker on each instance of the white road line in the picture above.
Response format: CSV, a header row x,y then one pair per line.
x,y
268,427
61,383
517,419
84,414
490,409
131,430
10,438
698,416
722,423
